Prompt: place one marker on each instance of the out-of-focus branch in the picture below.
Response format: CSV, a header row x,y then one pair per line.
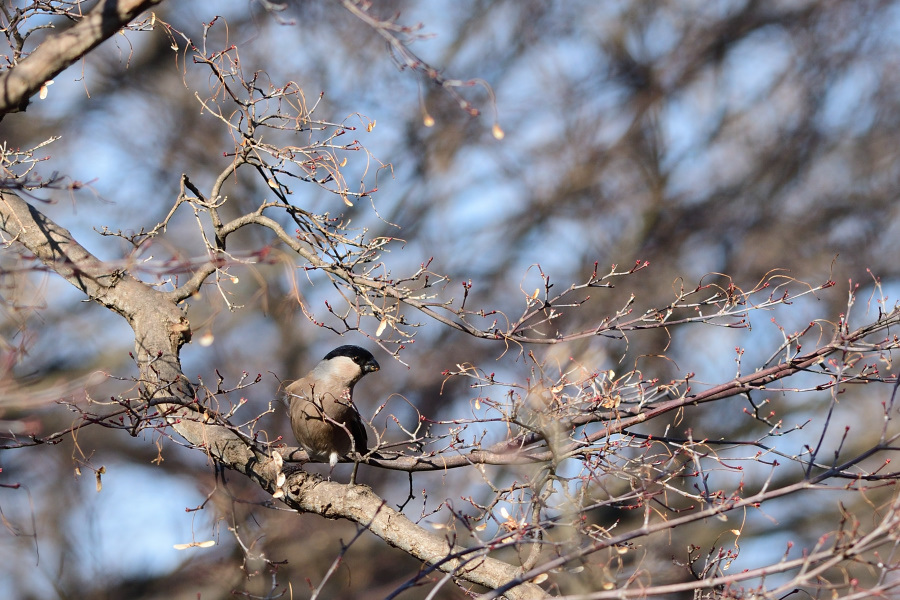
x,y
399,38
49,59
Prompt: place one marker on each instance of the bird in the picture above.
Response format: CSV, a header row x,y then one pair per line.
x,y
323,417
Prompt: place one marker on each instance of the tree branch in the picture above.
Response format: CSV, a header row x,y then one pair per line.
x,y
160,331
49,59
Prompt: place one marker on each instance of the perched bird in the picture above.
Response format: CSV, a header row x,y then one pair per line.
x,y
323,417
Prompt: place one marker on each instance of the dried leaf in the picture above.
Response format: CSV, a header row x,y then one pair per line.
x,y
206,544
44,90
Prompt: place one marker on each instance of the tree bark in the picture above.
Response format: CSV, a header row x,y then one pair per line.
x,y
49,59
160,330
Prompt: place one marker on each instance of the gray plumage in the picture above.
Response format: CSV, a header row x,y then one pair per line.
x,y
321,405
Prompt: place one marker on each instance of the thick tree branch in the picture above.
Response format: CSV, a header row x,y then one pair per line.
x,y
358,503
160,331
49,59
160,328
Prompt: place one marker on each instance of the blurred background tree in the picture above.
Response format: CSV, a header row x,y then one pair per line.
x,y
490,152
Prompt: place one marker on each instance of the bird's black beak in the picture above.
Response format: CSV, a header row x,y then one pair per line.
x,y
371,366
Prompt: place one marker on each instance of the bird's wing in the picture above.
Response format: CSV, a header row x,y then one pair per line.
x,y
358,431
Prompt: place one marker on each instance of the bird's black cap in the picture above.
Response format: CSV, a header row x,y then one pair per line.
x,y
360,356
